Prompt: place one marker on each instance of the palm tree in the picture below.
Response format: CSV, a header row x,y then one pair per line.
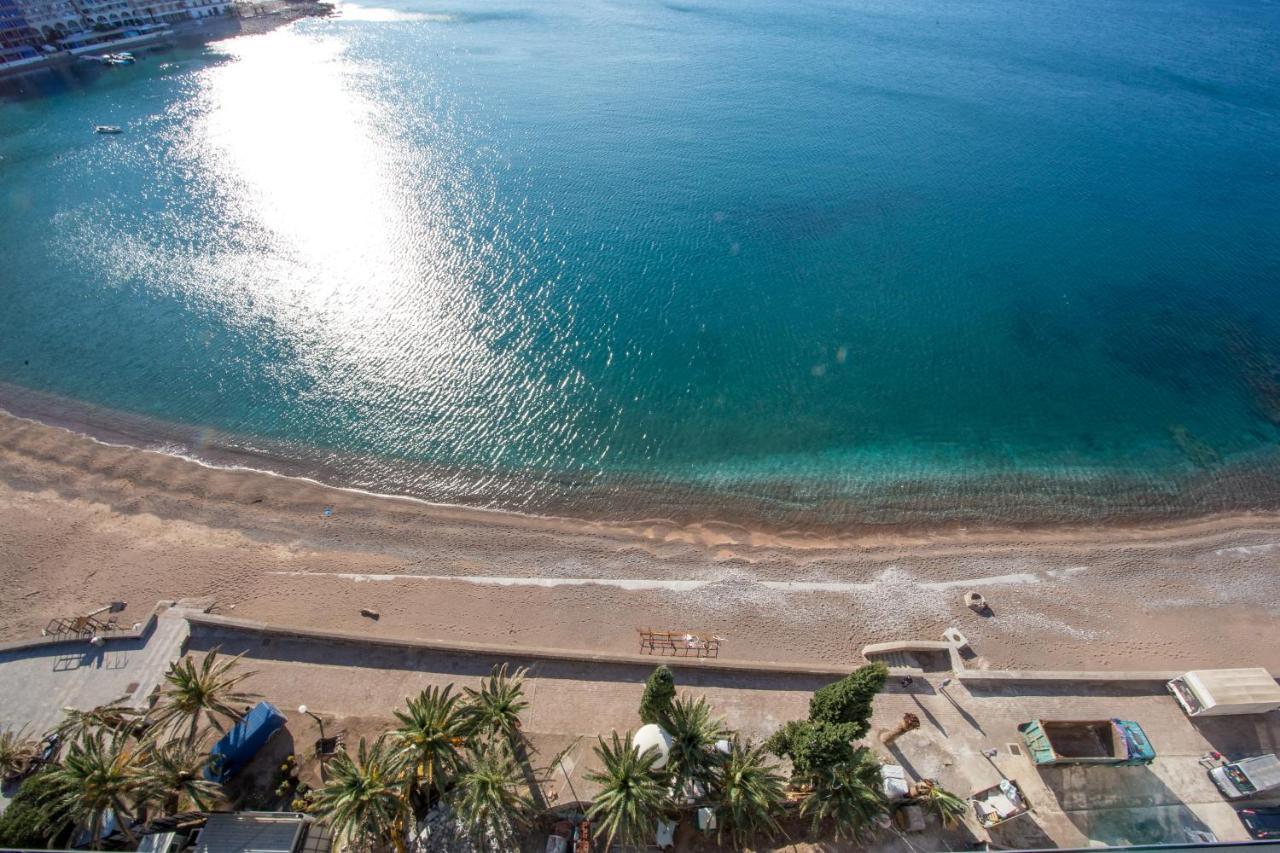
x,y
751,793
16,749
363,800
495,708
849,794
172,772
949,808
116,714
207,690
694,733
632,795
489,798
431,730
98,776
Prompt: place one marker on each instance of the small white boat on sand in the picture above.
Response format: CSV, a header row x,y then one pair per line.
x,y
108,128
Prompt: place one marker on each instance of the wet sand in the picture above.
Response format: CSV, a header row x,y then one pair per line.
x,y
82,523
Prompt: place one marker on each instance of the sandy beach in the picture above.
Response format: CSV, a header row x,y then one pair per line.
x,y
83,523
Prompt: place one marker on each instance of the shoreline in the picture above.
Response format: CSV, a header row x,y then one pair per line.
x,y
82,522
196,30
909,510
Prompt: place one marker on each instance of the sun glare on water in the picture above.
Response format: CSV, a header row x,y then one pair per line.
x,y
350,244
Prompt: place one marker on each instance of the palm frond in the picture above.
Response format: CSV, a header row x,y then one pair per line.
x,y
491,799
116,714
694,732
363,800
97,776
432,729
632,795
208,690
848,795
949,808
494,710
171,776
751,793
16,749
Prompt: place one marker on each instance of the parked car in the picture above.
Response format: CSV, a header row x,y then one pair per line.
x,y
1262,823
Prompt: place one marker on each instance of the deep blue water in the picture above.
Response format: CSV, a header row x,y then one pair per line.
x,y
801,262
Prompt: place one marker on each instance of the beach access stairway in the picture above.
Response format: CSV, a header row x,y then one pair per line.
x,y
909,657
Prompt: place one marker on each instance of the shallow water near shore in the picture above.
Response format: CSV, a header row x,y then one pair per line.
x,y
811,264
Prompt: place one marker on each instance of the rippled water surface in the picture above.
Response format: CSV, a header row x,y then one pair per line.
x,y
795,262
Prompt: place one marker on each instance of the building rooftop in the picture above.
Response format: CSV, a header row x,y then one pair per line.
x,y
252,832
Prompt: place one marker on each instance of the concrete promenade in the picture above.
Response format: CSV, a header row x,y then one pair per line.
x,y
1173,800
355,684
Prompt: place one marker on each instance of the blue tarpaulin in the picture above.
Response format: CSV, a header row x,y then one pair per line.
x,y
235,749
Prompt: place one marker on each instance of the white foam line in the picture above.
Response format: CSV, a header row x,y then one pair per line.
x,y
995,580
490,580
1245,550
641,584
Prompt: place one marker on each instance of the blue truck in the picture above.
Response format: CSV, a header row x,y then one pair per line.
x,y
237,747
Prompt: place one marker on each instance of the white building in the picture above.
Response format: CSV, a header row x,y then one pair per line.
x,y
51,19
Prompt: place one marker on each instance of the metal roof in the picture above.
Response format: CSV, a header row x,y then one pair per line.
x,y
251,832
1245,687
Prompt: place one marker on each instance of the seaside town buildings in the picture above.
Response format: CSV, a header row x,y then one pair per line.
x,y
30,29
16,35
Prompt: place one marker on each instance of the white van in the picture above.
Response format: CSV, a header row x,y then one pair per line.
x,y
1212,692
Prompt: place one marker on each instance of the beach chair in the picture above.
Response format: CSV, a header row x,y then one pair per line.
x,y
56,627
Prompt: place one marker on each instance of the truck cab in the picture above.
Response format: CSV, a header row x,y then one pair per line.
x,y
1247,777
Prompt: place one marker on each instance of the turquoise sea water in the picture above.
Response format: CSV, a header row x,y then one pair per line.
x,y
796,263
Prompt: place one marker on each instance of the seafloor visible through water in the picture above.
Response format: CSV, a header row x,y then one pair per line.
x,y
805,263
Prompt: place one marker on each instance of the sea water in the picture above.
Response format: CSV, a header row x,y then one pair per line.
x,y
796,262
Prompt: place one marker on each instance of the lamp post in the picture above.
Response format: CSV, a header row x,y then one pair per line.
x,y
303,709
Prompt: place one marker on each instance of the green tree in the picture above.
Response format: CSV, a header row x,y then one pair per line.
x,y
849,699
489,798
839,714
632,794
849,795
172,774
751,794
98,776
208,691
494,710
811,746
363,800
659,691
29,821
432,729
694,732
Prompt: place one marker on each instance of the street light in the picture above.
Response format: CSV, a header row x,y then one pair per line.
x,y
303,709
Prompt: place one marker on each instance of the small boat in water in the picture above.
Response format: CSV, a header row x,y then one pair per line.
x,y
108,128
125,58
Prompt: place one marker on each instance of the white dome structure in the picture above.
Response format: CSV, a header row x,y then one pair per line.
x,y
653,736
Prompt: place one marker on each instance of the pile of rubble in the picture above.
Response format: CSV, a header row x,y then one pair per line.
x,y
441,831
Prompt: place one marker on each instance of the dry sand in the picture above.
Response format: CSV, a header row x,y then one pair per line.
x,y
82,523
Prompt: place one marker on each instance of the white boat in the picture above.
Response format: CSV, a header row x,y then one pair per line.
x,y
107,128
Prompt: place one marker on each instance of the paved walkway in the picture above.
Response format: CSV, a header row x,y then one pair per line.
x,y
1170,801
39,682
